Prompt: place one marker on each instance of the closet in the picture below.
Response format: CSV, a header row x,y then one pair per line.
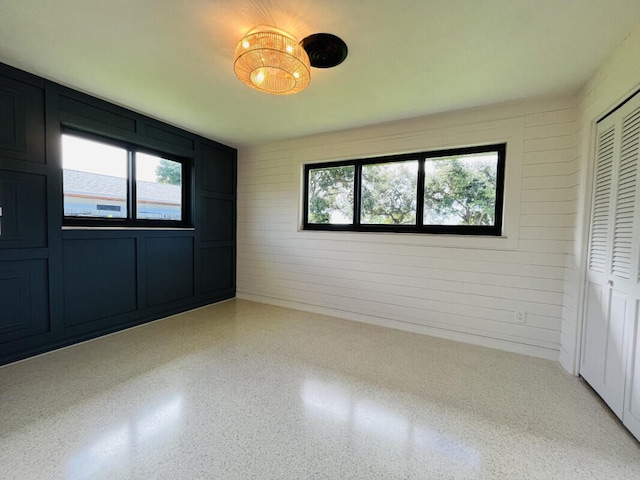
x,y
610,359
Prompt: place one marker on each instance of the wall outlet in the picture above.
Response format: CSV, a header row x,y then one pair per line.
x,y
520,316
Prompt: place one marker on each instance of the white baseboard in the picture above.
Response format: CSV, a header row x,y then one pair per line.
x,y
499,344
568,363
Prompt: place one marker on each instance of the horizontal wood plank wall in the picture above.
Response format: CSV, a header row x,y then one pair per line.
x,y
461,288
611,84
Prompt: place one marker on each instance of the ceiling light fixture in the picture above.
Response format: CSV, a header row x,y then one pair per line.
x,y
271,60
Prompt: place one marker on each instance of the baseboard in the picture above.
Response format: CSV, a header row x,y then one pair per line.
x,y
568,363
498,344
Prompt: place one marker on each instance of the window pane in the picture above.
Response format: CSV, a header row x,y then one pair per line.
x,y
389,193
158,188
94,178
331,195
461,190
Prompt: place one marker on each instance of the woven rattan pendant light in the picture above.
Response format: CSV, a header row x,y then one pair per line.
x,y
271,60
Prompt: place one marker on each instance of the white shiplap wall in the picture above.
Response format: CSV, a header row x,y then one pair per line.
x,y
462,288
611,84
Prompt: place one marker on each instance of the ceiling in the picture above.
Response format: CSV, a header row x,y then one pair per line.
x,y
173,59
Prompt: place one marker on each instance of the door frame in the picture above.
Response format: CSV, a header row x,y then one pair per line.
x,y
588,144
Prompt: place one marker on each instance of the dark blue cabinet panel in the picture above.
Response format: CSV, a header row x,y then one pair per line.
x,y
100,279
217,219
21,121
24,210
168,136
217,269
24,304
90,116
219,169
169,269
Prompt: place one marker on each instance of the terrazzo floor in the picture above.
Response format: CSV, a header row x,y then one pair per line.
x,y
241,390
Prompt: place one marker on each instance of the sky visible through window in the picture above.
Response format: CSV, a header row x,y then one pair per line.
x,y
471,159
94,157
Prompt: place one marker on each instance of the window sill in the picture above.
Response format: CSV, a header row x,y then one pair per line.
x,y
88,227
475,242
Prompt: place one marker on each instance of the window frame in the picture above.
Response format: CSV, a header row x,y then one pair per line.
x,y
421,157
131,221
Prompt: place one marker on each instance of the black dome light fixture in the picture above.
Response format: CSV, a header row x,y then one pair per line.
x,y
325,50
272,61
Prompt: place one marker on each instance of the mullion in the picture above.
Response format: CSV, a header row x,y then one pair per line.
x,y
420,193
357,194
133,189
307,171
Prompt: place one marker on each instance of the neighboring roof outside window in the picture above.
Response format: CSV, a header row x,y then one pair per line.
x,y
86,184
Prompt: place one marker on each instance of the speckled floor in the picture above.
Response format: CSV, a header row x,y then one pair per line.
x,y
241,390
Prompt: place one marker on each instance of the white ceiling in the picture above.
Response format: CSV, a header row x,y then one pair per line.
x,y
173,59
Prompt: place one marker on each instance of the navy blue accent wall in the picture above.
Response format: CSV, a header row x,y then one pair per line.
x,y
59,286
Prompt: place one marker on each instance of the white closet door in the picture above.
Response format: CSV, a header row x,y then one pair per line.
x,y
611,343
626,256
601,363
631,416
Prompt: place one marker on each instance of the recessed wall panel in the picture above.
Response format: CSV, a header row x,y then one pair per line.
x,y
218,170
21,121
89,116
24,305
99,279
23,223
217,269
217,219
169,269
167,136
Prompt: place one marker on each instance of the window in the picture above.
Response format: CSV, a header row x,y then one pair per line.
x,y
457,191
108,183
330,195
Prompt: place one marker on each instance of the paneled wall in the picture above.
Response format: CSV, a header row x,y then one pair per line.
x,y
59,286
464,288
24,239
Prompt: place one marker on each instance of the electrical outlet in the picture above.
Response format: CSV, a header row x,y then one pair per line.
x,y
520,316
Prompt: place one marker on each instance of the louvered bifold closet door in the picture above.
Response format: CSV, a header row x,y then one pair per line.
x,y
622,265
626,258
600,228
610,359
601,365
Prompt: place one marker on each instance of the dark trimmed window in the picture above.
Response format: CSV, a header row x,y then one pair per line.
x,y
110,183
457,191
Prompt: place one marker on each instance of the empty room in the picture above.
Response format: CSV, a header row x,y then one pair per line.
x,y
277,239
